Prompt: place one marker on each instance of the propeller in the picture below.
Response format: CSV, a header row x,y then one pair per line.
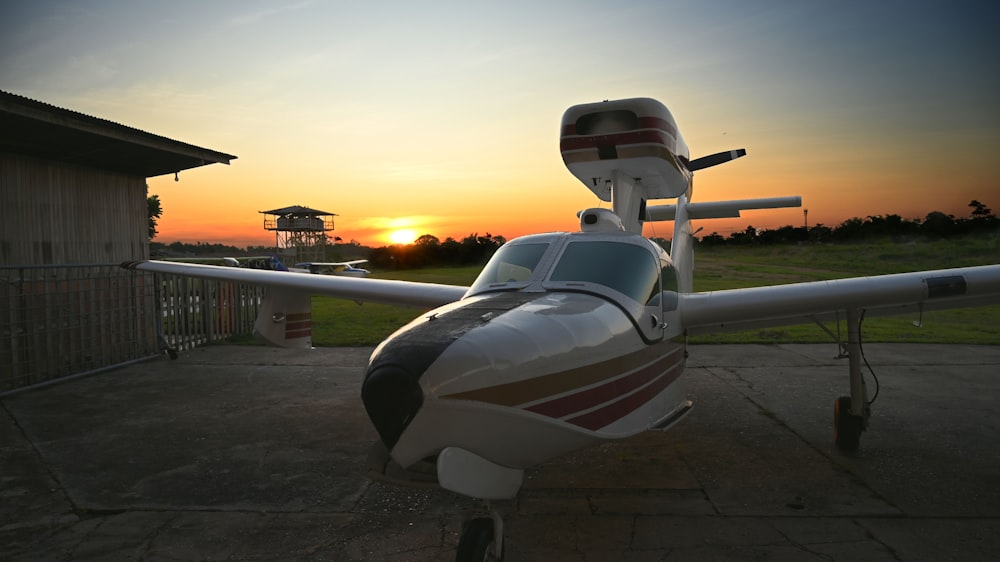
x,y
715,159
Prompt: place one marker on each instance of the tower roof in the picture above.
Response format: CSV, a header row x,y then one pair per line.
x,y
297,210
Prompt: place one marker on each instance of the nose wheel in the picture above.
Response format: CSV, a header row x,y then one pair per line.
x,y
481,539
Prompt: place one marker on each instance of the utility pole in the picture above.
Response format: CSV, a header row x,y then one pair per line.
x,y
805,215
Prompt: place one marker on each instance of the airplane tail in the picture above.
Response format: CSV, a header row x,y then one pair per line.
x,y
629,152
285,318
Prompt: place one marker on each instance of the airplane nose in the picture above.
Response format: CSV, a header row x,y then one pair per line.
x,y
392,398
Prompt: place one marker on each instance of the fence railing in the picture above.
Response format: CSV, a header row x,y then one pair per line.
x,y
59,321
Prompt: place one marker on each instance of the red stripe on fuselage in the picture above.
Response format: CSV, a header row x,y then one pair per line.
x,y
617,410
577,402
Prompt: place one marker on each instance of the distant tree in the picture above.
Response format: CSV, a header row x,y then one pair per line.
x,y
784,235
713,239
820,233
426,250
938,225
153,212
979,210
748,236
427,240
851,229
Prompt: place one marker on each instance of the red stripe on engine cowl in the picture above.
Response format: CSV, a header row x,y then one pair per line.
x,y
598,395
649,136
647,122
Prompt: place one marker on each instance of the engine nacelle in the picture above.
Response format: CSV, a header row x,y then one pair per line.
x,y
633,138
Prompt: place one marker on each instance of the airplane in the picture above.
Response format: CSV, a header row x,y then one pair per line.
x,y
344,268
254,262
571,339
228,262
273,263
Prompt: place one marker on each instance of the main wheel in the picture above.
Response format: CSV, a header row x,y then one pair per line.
x,y
846,427
476,542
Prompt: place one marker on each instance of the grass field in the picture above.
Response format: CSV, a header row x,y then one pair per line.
x,y
337,322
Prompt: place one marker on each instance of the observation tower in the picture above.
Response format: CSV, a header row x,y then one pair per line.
x,y
299,232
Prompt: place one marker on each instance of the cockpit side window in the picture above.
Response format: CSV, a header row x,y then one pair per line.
x,y
627,268
511,266
668,297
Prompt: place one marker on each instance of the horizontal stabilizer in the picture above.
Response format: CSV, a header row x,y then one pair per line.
x,y
715,159
720,209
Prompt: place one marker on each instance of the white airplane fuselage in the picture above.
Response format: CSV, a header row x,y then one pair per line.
x,y
564,341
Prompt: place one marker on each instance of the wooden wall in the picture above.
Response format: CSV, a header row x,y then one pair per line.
x,y
58,213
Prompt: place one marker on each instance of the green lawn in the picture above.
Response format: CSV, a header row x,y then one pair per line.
x,y
337,322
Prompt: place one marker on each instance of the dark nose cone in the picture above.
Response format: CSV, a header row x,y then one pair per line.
x,y
392,398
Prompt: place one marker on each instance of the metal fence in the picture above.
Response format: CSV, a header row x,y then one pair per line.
x,y
61,321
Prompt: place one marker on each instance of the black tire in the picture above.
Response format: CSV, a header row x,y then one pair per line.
x,y
476,541
846,427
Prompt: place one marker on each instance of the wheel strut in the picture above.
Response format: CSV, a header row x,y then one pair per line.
x,y
851,413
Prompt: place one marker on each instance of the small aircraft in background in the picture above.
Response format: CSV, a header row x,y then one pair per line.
x,y
344,268
273,263
270,263
567,340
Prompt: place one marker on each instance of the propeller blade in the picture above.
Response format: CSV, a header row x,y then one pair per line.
x,y
715,159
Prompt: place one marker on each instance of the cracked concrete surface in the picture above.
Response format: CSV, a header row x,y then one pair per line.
x,y
248,453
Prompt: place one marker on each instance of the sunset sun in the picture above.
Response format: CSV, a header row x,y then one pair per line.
x,y
402,236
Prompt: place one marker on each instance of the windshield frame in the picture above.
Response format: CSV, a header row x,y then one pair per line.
x,y
535,250
632,302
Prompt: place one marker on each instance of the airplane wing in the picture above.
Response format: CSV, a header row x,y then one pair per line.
x,y
384,291
801,303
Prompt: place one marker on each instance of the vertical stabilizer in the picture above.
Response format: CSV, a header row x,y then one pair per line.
x,y
682,247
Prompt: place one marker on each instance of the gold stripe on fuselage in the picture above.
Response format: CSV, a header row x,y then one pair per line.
x,y
537,388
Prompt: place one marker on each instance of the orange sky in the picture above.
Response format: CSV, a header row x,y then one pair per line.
x,y
444,118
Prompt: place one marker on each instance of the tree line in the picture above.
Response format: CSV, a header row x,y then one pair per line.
x,y
475,249
934,226
429,251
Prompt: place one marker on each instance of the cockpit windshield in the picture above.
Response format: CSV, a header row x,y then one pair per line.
x,y
511,266
627,268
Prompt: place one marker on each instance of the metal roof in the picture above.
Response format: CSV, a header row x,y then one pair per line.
x,y
41,130
297,210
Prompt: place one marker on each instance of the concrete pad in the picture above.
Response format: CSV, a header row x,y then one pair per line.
x,y
255,453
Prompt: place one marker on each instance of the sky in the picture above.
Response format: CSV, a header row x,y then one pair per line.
x,y
442,117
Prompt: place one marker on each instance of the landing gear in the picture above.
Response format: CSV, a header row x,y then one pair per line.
x,y
466,473
851,413
478,542
481,539
846,427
